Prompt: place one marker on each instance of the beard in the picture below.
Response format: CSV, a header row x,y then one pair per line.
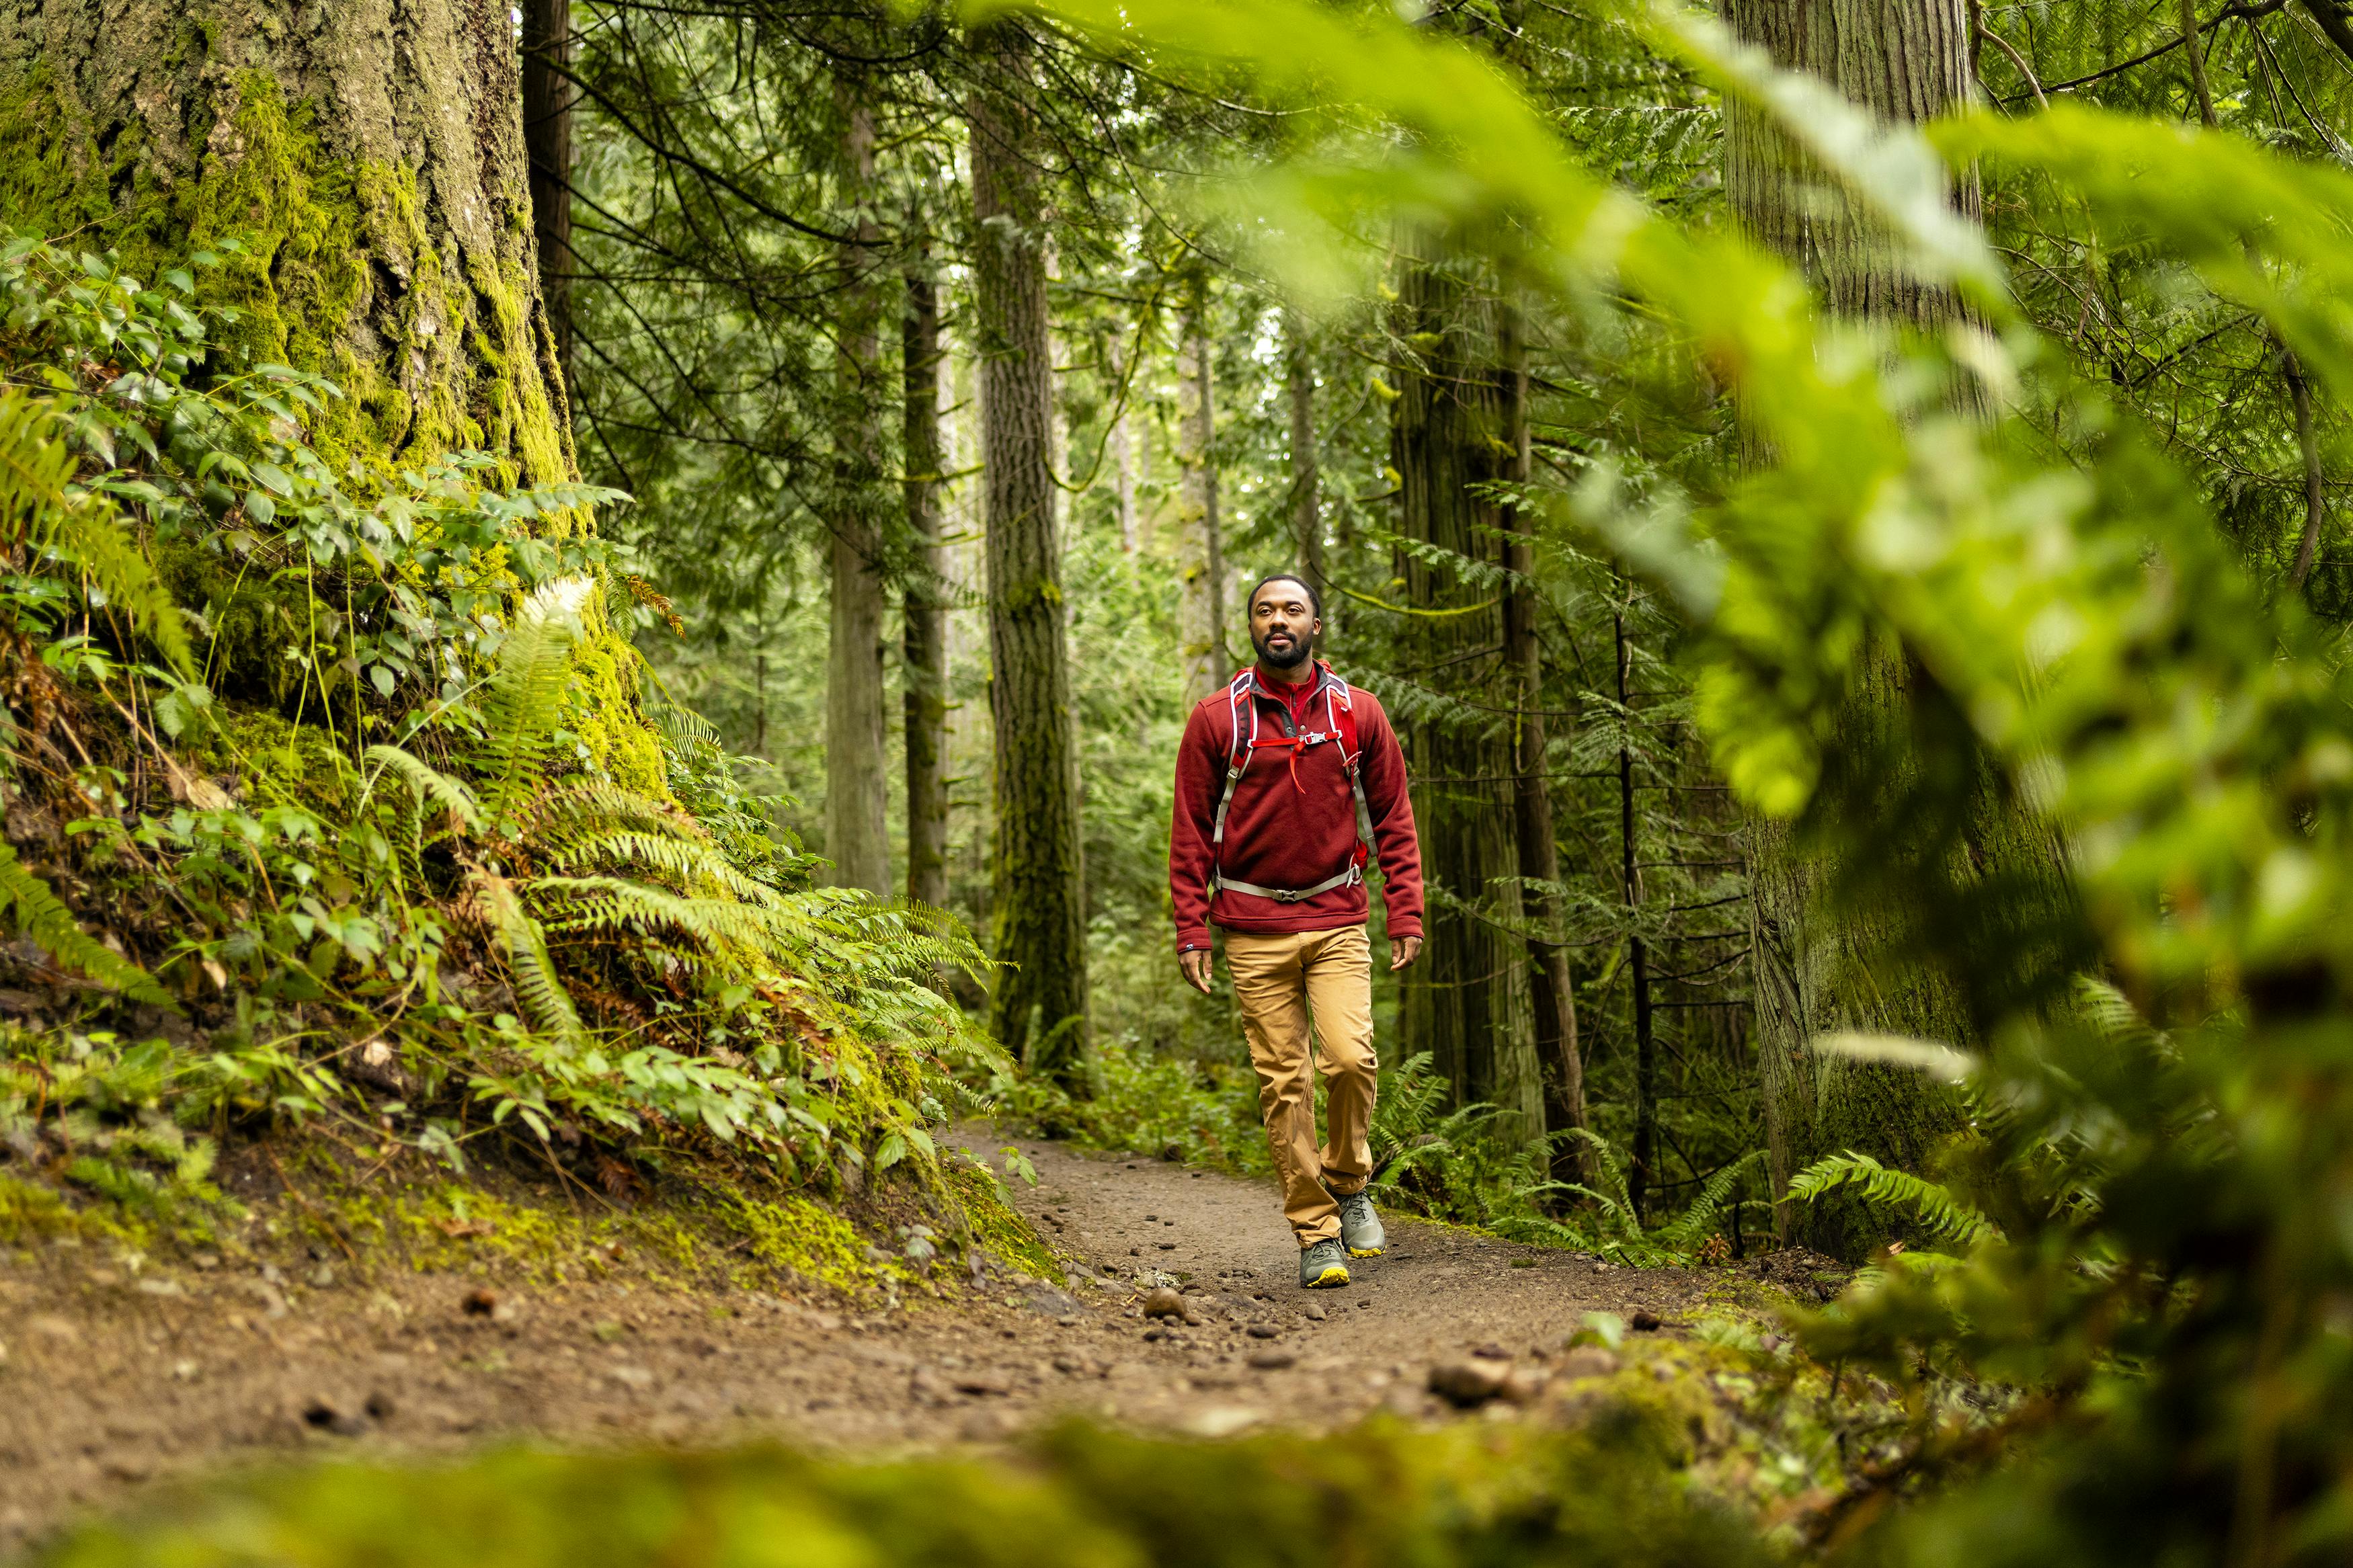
x,y
1290,657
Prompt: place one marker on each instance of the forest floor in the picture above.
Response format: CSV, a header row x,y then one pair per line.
x,y
117,1373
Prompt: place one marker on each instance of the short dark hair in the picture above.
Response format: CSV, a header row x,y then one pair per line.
x,y
1314,599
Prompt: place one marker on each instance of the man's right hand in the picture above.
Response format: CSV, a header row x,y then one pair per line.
x,y
1195,962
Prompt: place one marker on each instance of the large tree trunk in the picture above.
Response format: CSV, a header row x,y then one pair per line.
x,y
1559,1053
1201,552
857,834
923,617
1467,1002
1037,880
1819,968
1306,480
1122,448
370,159
547,98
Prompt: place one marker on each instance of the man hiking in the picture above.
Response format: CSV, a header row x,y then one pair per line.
x,y
1270,779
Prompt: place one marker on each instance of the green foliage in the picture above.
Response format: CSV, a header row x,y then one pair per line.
x,y
1607,1496
2082,633
121,1113
34,911
388,788
1934,1207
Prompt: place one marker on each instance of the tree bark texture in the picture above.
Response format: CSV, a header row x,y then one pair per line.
x,y
1467,1002
547,98
1306,480
924,615
1123,450
1825,957
1559,1056
1036,875
857,835
1642,1169
1905,60
1200,553
371,160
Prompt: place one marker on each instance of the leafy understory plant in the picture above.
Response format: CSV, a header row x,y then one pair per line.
x,y
1940,1213
398,885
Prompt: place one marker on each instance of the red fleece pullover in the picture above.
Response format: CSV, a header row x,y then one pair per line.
x,y
1290,826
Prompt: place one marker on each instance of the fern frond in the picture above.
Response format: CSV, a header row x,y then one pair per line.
x,y
521,710
1939,1212
84,531
427,781
613,905
91,536
1612,1166
697,866
537,987
593,804
2110,1011
36,913
1693,1225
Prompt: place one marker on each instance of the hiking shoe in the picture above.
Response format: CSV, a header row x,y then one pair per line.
x,y
1360,1227
1323,1265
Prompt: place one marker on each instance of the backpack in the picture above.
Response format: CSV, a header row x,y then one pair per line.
x,y
1340,717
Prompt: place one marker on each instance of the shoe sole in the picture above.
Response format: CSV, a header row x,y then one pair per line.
x,y
1364,1252
1333,1275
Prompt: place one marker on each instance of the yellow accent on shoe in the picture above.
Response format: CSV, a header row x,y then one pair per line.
x,y
1364,1252
1335,1274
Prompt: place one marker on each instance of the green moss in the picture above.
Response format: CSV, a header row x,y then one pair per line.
x,y
281,764
995,1226
1079,1497
813,1242
458,1226
331,267
29,1212
606,718
329,260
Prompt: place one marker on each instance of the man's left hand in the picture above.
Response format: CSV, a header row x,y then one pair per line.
x,y
1403,950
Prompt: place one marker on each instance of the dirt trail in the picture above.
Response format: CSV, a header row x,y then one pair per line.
x,y
111,1378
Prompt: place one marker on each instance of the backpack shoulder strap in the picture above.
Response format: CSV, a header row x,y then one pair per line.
x,y
1238,757
1340,711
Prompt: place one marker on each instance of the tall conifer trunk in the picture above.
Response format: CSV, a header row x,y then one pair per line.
x,y
1820,969
1036,878
923,618
857,838
1559,1054
1200,560
1467,1002
1123,449
1306,480
547,99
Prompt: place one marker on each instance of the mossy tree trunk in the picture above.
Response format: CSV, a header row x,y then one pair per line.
x,y
856,794
1208,663
371,160
1467,1002
923,611
1830,940
1038,891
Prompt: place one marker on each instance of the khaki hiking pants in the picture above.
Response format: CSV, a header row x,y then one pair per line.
x,y
1281,980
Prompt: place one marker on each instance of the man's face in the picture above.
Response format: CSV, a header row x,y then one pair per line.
x,y
1284,626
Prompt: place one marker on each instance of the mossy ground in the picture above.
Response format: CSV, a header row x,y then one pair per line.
x,y
1598,1496
912,1238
